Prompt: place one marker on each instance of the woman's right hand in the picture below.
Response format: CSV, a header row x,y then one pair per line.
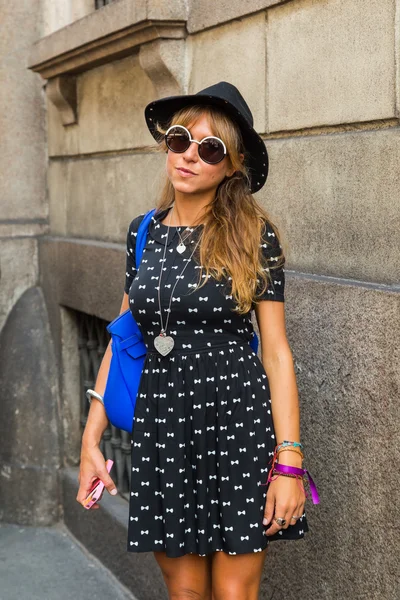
x,y
92,466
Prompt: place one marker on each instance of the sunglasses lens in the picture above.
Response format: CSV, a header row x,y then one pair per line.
x,y
211,151
177,139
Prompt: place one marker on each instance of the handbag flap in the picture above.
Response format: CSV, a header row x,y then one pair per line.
x,y
124,326
134,346
137,348
126,335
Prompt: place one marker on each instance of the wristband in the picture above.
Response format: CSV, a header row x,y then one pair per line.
x,y
289,443
297,471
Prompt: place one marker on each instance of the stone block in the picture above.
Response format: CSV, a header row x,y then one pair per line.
x,y
344,340
23,155
236,53
336,200
98,198
209,13
330,62
29,453
20,26
60,14
23,152
18,271
84,276
28,495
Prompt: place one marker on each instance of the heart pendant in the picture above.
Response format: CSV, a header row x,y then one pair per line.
x,y
181,248
164,344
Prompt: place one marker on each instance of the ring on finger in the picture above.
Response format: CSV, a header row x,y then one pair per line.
x,y
280,521
295,517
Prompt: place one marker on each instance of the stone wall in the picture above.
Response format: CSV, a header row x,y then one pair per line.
x,y
29,450
322,80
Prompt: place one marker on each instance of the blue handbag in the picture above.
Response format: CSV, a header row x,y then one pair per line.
x,y
128,354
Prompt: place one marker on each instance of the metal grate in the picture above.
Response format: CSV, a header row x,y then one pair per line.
x,y
101,3
115,444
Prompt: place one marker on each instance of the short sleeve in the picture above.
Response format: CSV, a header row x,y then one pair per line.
x,y
274,260
131,235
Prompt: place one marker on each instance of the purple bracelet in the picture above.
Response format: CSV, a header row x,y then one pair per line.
x,y
297,471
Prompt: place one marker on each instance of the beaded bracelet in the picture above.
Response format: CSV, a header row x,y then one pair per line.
x,y
286,445
289,443
297,450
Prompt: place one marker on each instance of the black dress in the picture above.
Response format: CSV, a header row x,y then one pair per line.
x,y
203,433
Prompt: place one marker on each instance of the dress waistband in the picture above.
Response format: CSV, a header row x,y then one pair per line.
x,y
191,348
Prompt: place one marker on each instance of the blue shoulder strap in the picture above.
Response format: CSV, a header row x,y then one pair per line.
x,y
142,235
140,244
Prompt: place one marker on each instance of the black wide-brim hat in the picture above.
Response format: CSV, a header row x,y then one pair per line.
x,y
225,96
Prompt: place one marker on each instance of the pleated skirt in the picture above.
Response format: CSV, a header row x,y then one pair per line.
x,y
202,442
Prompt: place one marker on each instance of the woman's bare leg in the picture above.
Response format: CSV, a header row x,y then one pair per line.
x,y
237,576
187,577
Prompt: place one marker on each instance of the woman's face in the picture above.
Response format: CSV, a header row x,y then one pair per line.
x,y
205,176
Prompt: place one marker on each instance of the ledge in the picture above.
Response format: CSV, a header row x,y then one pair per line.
x,y
106,35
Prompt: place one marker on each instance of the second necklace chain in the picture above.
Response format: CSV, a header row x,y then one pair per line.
x,y
162,342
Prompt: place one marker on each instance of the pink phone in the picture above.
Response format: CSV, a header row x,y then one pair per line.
x,y
97,488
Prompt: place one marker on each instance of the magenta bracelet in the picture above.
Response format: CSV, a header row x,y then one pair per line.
x,y
297,471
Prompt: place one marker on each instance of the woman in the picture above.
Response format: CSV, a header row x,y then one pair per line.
x,y
210,415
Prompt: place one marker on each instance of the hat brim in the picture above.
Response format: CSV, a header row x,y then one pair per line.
x,y
257,162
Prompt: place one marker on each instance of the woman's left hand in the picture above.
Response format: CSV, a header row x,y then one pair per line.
x,y
284,499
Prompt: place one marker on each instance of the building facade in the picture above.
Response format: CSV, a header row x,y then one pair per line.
x,y
322,80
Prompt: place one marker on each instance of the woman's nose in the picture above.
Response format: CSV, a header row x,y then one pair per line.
x,y
192,153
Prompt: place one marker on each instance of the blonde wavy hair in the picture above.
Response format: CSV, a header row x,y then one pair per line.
x,y
233,222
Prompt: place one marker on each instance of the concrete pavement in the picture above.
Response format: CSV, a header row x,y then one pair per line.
x,y
48,563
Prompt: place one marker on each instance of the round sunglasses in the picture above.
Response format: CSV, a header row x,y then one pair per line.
x,y
211,149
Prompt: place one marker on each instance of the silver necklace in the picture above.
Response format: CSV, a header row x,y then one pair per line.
x,y
181,246
164,343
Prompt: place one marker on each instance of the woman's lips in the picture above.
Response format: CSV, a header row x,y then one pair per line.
x,y
185,173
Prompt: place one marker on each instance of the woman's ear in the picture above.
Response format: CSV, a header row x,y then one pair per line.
x,y
232,171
